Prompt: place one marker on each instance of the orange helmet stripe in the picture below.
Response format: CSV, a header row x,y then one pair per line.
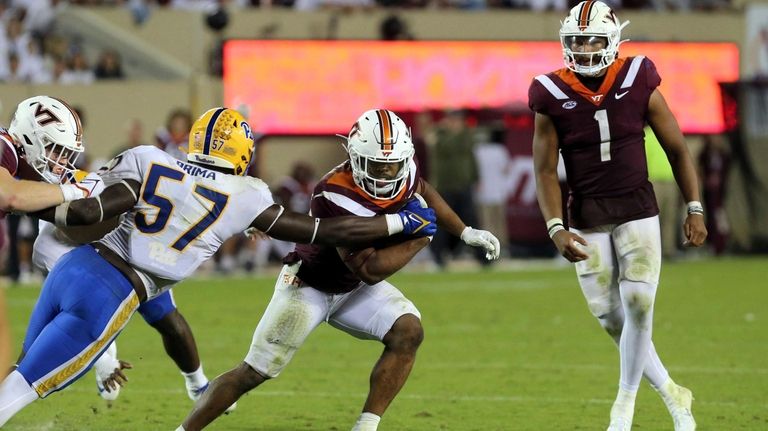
x,y
586,10
385,127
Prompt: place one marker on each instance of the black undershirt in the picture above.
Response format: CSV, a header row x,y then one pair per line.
x,y
592,83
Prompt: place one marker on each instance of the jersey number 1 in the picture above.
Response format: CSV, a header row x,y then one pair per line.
x,y
605,135
165,206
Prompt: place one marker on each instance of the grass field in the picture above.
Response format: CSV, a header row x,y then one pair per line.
x,y
504,350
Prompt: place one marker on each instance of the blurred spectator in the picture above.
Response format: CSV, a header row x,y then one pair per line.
x,y
22,231
454,175
423,136
293,192
493,156
173,137
715,162
39,15
134,135
310,5
77,71
15,74
395,28
109,65
757,54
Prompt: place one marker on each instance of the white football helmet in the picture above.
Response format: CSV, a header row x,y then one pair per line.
x,y
591,19
379,137
50,135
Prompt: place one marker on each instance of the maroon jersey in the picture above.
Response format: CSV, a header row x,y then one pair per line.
x,y
9,158
601,138
337,195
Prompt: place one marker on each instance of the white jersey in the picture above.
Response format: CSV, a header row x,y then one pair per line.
x,y
183,215
50,245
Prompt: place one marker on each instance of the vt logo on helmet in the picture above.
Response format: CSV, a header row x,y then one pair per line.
x,y
50,134
380,151
221,138
590,35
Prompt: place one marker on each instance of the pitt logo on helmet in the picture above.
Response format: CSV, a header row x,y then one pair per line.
x,y
221,138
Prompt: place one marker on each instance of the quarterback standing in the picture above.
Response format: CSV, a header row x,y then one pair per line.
x,y
593,112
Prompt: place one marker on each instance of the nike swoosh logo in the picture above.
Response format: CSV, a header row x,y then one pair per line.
x,y
419,220
619,96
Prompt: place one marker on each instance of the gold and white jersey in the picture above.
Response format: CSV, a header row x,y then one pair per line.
x,y
183,215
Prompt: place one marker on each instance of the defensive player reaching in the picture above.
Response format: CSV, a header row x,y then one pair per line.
x,y
345,286
161,313
43,142
179,213
593,111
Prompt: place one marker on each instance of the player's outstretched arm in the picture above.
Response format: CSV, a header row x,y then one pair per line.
x,y
113,201
346,230
450,221
548,191
27,196
372,265
671,138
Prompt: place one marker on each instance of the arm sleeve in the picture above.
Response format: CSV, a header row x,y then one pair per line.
x,y
652,78
321,207
535,98
9,159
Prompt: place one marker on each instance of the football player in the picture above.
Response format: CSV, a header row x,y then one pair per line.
x,y
161,313
179,213
593,112
346,286
36,153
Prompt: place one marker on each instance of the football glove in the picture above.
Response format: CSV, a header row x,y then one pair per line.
x,y
484,239
416,220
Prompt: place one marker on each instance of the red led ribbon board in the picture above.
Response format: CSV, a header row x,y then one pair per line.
x,y
321,87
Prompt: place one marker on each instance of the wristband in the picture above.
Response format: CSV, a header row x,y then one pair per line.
x,y
465,231
695,207
554,225
394,224
71,192
60,214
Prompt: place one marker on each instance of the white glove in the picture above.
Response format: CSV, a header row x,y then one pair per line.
x,y
484,239
92,185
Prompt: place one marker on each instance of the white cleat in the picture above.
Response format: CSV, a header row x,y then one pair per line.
x,y
679,405
195,392
621,416
103,369
620,424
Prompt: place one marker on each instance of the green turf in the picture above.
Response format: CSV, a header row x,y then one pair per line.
x,y
503,351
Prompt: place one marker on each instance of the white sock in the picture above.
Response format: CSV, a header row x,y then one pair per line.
x,y
15,394
367,422
655,371
195,379
637,300
180,428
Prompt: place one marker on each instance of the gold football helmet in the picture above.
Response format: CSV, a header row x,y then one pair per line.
x,y
221,137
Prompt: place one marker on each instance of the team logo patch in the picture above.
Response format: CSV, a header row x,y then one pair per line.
x,y
570,104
